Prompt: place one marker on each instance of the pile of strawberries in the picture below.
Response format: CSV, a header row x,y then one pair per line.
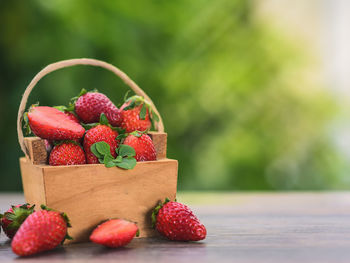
x,y
93,130
33,231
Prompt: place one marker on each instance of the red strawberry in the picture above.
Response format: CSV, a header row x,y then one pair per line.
x,y
131,120
67,153
143,145
43,230
68,111
90,105
114,233
52,124
176,221
98,134
14,217
72,116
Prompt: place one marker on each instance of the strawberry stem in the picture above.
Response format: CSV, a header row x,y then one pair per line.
x,y
156,210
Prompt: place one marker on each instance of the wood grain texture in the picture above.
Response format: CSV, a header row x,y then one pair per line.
x,y
33,182
242,227
90,194
160,143
36,150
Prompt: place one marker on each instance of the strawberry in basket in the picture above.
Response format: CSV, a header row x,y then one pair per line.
x,y
102,132
143,145
135,115
90,105
51,124
67,153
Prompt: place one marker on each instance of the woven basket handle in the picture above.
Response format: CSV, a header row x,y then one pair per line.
x,y
73,62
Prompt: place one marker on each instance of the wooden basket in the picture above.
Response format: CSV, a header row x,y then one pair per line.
x,y
92,193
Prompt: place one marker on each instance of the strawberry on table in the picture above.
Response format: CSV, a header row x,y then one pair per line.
x,y
143,146
67,153
135,115
51,124
176,221
90,105
42,230
114,233
12,219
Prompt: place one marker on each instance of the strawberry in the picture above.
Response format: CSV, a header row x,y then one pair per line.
x,y
14,217
135,115
69,112
67,153
98,134
114,233
90,105
131,120
176,221
43,230
51,124
143,146
72,116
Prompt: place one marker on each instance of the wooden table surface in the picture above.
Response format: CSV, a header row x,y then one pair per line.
x,y
242,227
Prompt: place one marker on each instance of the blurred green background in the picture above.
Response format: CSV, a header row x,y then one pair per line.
x,y
236,96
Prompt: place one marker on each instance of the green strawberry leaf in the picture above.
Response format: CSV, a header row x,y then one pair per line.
x,y
74,99
102,151
127,163
82,92
26,124
130,106
119,159
88,126
138,134
126,150
143,112
61,108
103,148
110,164
155,116
108,158
103,119
126,95
71,107
119,130
122,136
96,152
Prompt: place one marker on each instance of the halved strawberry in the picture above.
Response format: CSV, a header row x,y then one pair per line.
x,y
114,233
69,111
51,124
